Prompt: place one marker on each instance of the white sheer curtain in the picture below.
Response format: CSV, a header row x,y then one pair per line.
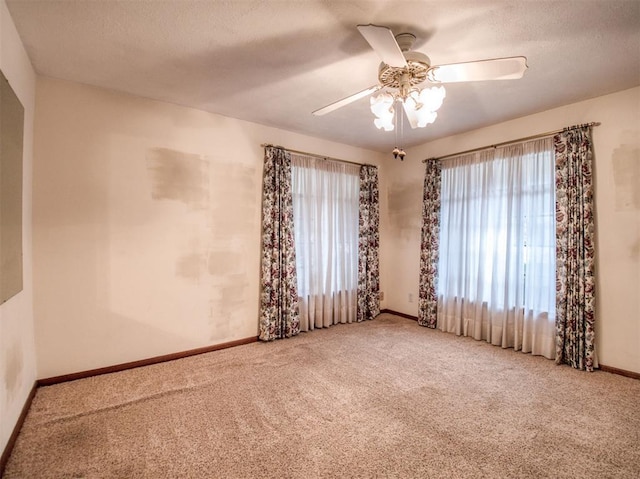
x,y
325,216
496,271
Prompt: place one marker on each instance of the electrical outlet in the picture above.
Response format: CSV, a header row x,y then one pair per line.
x,y
411,297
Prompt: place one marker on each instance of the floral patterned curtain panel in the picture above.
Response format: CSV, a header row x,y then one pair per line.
x,y
279,314
368,245
575,254
428,296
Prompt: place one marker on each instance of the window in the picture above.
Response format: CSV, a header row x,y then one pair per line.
x,y
496,271
325,211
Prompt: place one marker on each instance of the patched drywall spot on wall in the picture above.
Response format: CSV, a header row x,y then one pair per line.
x,y
405,208
228,304
191,266
225,193
179,176
233,199
635,250
233,294
13,369
626,175
224,262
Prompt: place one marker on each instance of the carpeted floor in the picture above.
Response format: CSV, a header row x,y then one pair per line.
x,y
384,398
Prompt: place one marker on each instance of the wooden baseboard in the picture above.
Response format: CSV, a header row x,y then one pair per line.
x,y
621,372
143,362
396,313
16,430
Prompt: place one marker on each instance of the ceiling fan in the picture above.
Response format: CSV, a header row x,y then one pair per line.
x,y
403,70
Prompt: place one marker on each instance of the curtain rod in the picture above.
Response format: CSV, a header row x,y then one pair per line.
x,y
510,142
322,157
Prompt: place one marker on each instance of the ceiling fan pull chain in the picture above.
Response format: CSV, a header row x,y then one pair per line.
x,y
396,150
401,153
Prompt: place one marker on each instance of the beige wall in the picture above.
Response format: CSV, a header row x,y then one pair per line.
x,y
17,349
146,225
617,196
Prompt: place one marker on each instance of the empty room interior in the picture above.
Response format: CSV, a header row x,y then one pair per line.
x,y
369,238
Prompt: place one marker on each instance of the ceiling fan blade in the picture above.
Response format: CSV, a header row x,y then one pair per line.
x,y
384,43
510,68
345,101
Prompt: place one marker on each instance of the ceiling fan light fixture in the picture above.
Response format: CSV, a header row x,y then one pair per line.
x,y
420,105
425,117
382,108
429,99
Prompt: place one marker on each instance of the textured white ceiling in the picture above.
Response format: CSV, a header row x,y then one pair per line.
x,y
274,62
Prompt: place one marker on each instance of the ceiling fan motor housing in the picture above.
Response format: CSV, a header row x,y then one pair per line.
x,y
414,73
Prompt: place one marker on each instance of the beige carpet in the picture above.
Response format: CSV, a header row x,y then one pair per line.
x,y
385,398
